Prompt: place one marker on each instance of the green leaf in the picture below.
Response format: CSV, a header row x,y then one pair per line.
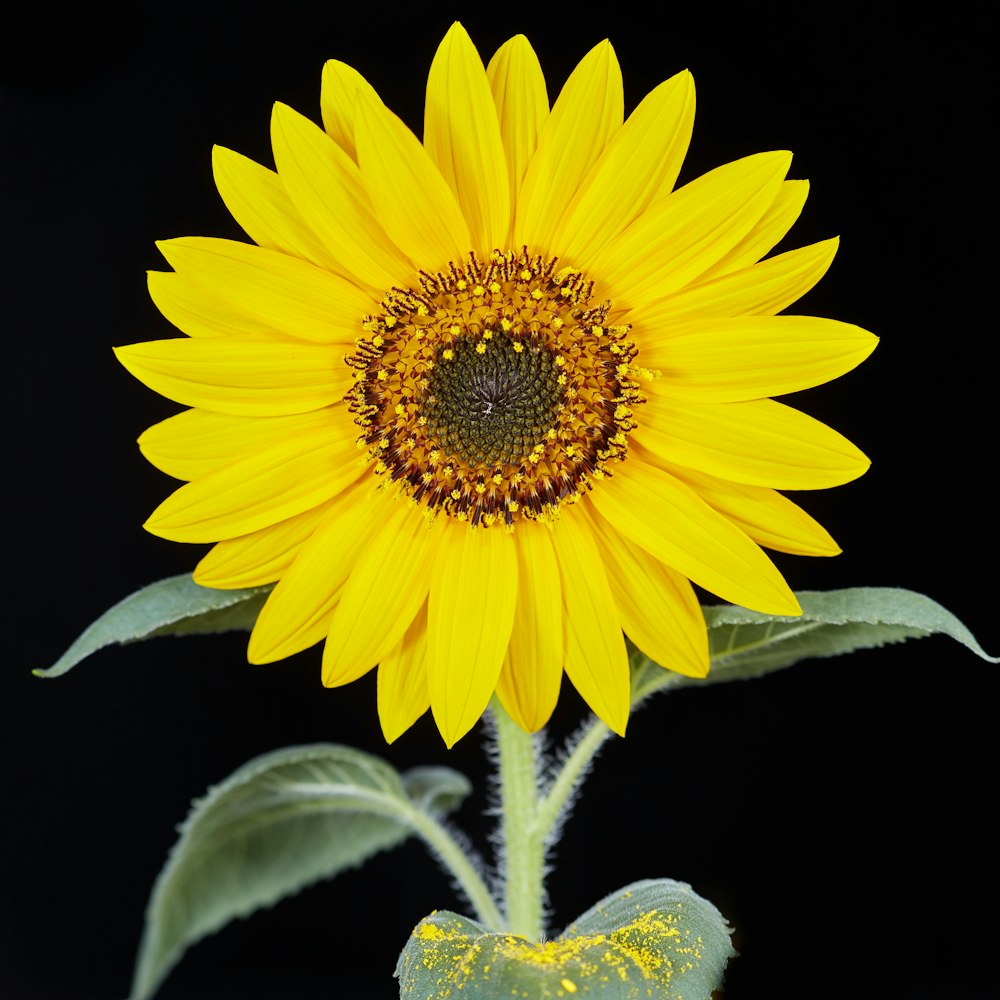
x,y
279,823
175,606
747,644
654,939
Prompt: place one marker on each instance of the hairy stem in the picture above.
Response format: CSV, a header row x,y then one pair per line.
x,y
523,844
460,865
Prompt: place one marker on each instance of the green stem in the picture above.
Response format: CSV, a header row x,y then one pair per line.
x,y
554,802
523,843
455,859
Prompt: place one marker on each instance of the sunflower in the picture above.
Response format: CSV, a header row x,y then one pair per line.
x,y
483,405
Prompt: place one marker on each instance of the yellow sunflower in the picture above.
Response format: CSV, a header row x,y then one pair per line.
x,y
482,404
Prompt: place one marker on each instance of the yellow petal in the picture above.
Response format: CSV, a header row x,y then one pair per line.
x,y
470,614
258,201
640,163
387,587
200,313
681,236
411,199
339,103
402,681
262,556
767,232
596,657
291,295
760,442
197,442
251,377
657,606
750,357
587,113
762,289
522,103
462,137
325,185
298,612
273,484
769,518
532,672
672,523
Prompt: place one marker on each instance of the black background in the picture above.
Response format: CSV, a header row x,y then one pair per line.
x,y
838,813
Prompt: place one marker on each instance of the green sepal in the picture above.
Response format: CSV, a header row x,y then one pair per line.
x,y
654,939
279,823
174,606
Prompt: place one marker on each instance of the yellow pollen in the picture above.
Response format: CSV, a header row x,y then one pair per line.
x,y
519,347
480,348
447,354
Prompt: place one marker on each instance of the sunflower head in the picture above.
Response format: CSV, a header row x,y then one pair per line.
x,y
483,404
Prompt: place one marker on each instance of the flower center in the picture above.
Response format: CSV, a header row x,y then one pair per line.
x,y
492,405
494,390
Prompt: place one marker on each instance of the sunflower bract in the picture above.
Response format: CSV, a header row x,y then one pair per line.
x,y
479,405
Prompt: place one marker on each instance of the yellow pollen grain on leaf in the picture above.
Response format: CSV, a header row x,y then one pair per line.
x,y
568,985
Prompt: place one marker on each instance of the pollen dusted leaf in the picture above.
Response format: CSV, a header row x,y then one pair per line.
x,y
279,823
174,606
746,644
654,939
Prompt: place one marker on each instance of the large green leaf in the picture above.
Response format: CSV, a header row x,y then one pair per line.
x,y
175,606
279,823
747,644
654,939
